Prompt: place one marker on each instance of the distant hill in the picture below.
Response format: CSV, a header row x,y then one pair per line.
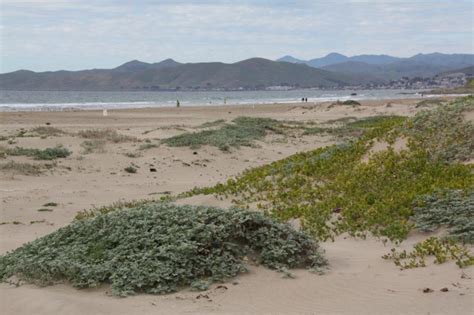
x,y
447,60
375,59
383,68
136,65
469,71
255,73
335,58
330,59
387,72
452,61
367,73
291,59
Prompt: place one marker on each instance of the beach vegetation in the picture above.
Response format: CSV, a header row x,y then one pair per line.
x,y
93,146
430,102
133,155
350,128
47,131
22,168
160,248
38,154
147,146
130,169
211,124
451,209
348,102
50,204
444,133
44,210
442,250
243,131
118,205
106,134
332,190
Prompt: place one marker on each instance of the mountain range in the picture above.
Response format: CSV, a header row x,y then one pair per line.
x,y
334,58
384,68
254,73
332,71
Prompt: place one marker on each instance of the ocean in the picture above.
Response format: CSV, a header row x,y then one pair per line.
x,y
69,100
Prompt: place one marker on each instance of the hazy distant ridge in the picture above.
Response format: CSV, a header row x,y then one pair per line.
x,y
383,68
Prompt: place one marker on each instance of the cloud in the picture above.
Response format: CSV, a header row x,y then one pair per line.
x,y
72,34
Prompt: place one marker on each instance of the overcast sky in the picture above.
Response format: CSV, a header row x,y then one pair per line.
x,y
71,34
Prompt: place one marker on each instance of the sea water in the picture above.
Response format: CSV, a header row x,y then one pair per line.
x,y
74,100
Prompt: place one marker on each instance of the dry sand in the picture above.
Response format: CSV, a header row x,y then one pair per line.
x,y
358,281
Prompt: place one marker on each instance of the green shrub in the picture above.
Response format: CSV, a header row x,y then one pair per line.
x,y
130,169
46,154
242,132
52,153
350,102
160,248
453,209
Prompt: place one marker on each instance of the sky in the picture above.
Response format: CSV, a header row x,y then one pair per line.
x,y
47,35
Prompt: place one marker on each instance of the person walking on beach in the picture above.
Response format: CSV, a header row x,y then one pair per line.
x,y
177,103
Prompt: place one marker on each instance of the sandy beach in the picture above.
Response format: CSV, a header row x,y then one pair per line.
x,y
358,281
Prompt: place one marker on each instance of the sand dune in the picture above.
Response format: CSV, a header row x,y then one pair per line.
x,y
358,281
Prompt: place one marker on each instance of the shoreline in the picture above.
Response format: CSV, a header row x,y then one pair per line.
x,y
187,100
72,107
201,112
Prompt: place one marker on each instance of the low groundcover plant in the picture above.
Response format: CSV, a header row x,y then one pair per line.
x,y
160,248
